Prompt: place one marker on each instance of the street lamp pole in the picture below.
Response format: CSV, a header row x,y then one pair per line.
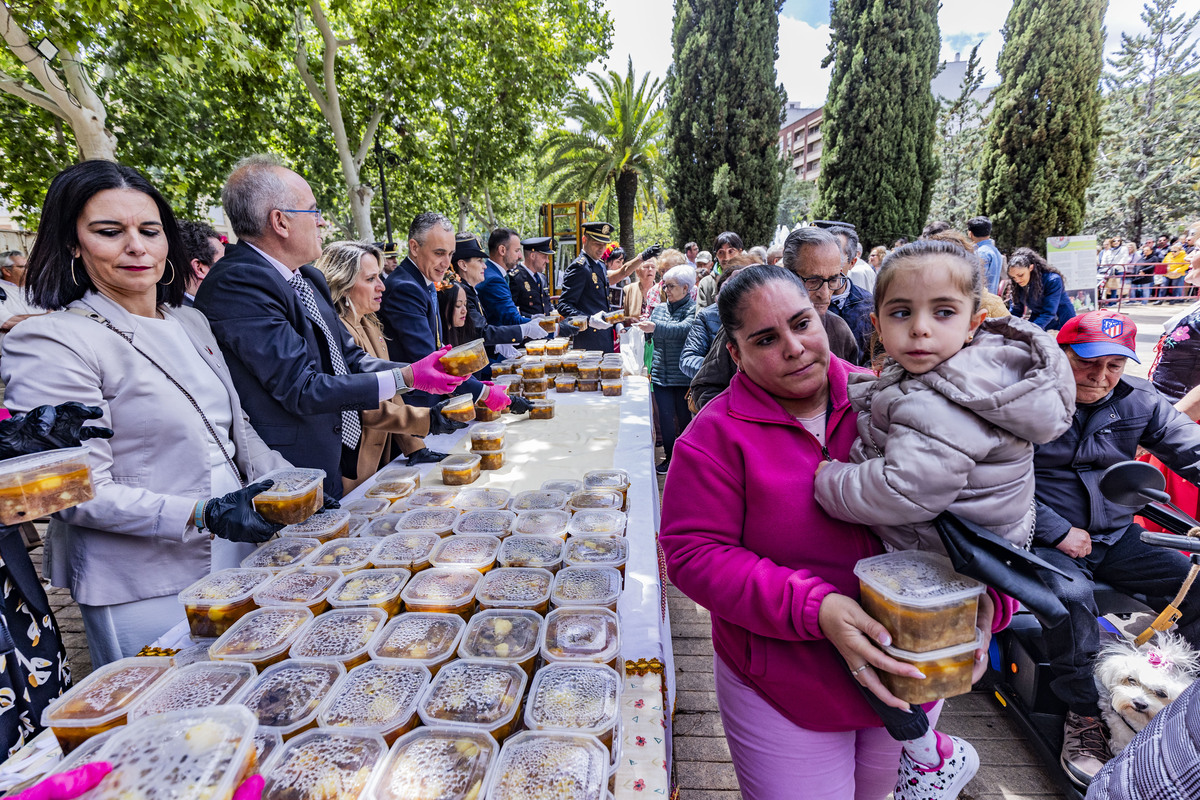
x,y
387,214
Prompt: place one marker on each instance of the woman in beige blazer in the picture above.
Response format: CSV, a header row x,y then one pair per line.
x,y
109,262
352,270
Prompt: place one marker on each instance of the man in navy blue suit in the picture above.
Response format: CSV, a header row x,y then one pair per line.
x,y
299,375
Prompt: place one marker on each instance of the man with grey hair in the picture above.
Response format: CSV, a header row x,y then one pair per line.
x,y
848,300
13,306
299,375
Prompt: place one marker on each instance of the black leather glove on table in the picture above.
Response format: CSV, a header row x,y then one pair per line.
x,y
439,424
520,405
49,428
425,456
233,516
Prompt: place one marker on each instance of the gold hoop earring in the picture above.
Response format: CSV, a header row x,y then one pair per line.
x,y
72,270
172,266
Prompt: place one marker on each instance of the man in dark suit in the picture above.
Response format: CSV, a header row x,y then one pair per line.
x,y
204,248
299,375
585,289
527,281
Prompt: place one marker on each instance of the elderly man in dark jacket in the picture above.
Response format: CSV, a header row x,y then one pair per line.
x,y
1092,538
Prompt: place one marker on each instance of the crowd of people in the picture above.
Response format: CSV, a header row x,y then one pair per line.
x,y
1150,274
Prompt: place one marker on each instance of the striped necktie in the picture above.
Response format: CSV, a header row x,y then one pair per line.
x,y
351,426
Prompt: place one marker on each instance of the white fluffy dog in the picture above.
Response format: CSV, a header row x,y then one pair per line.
x,y
1135,684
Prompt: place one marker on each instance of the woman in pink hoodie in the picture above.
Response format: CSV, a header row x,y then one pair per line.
x,y
744,537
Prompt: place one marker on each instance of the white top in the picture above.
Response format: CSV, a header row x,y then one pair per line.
x,y
815,426
15,304
862,275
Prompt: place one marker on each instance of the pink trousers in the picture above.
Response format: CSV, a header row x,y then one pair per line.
x,y
776,759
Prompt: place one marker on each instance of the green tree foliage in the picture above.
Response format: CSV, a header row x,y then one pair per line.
x,y
796,200
877,164
1146,170
724,109
615,151
962,129
1045,123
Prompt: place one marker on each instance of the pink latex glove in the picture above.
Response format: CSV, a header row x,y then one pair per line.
x,y
251,789
430,376
496,398
67,785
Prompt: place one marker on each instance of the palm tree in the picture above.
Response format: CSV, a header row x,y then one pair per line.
x,y
615,150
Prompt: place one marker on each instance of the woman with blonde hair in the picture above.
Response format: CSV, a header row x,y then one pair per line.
x,y
352,270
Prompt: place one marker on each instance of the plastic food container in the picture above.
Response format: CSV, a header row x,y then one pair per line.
x,y
564,383
539,499
261,637
101,700
510,382
341,635
296,495
540,765
535,347
379,696
369,507
37,485
192,754
461,469
947,672
286,695
216,601
610,371
586,586
485,414
428,639
406,550
588,385
589,371
266,742
924,604
598,522
557,347
191,655
466,551
391,490
84,753
492,522
553,367
384,525
465,359
357,525
597,551
549,322
535,396
428,520
504,634
523,550
578,322
596,498
460,409
541,408
567,486
370,588
198,685
476,693
400,474
515,588
490,459
323,526
433,497
532,370
444,763
305,586
576,698
279,554
446,590
488,436
348,555
616,480
582,633
535,385
482,499
611,388
543,523
326,764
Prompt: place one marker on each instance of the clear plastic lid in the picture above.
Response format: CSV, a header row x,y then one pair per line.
x,y
515,587
347,555
596,498
198,685
581,634
930,656
279,554
191,655
380,696
35,485
83,753
391,490
488,431
542,403
106,694
266,742
424,637
358,525
542,523
565,485
585,586
479,693
445,763
459,461
433,496
191,754
20,469
369,507
303,585
606,479
539,500
596,551
343,634
406,550
465,359
291,483
384,525
224,587
400,474
466,551
598,522
549,765
322,526
492,522
459,405
286,695
368,587
433,520
521,550
482,498
583,698
261,635
916,578
325,764
441,588
511,635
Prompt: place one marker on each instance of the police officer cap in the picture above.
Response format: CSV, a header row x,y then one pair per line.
x,y
390,250
826,223
539,244
598,231
466,246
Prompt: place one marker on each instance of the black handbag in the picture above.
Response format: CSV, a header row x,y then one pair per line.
x,y
980,554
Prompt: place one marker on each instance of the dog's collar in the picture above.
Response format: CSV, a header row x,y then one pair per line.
x,y
1126,723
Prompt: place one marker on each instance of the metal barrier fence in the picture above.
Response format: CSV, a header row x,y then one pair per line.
x,y
1115,289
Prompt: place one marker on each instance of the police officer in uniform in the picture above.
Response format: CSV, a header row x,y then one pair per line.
x,y
527,281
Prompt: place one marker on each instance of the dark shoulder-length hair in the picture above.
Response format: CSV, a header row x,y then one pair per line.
x,y
1031,294
447,297
53,279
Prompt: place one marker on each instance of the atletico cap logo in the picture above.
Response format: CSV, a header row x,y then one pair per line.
x,y
1112,328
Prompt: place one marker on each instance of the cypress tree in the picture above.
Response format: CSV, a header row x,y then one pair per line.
x,y
724,169
1045,127
877,162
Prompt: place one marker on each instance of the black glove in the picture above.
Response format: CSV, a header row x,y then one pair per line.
x,y
519,405
651,251
425,456
439,424
49,428
331,503
566,331
233,516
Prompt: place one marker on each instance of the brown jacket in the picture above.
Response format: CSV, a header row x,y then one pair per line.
x,y
392,417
